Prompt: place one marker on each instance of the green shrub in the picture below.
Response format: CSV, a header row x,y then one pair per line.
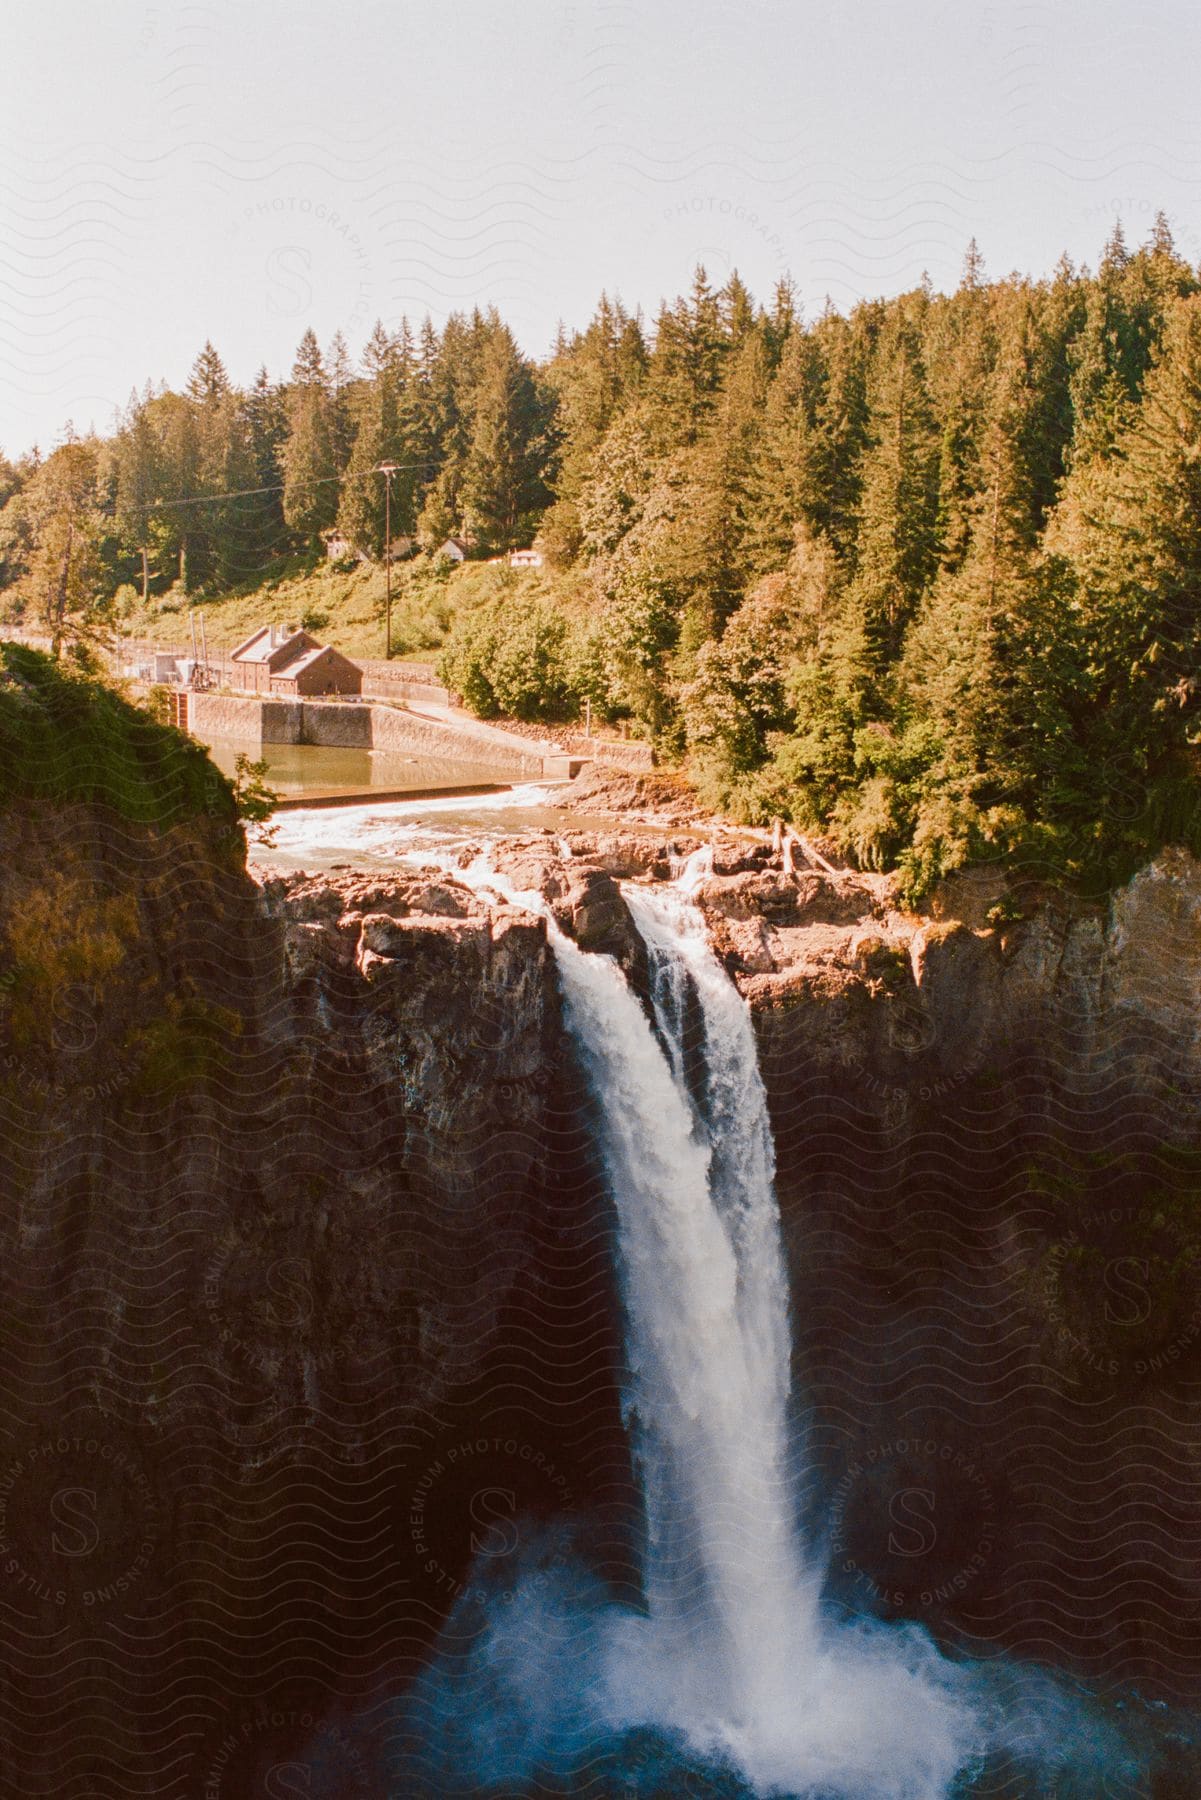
x,y
518,662
67,737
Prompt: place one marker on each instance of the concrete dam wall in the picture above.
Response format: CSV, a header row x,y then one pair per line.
x,y
336,725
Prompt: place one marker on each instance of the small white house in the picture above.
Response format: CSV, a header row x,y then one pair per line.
x,y
455,548
525,559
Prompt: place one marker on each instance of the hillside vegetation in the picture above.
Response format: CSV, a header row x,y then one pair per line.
x,y
69,739
926,577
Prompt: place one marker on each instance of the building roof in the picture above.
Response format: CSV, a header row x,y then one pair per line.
x,y
242,653
295,665
267,642
286,654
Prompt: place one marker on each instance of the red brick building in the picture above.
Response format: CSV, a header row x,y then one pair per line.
x,y
278,660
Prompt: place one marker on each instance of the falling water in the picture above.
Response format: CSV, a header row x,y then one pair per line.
x,y
733,1651
733,1662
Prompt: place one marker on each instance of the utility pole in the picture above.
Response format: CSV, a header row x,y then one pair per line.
x,y
387,470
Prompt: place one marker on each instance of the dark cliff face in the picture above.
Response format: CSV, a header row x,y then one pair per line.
x,y
307,1297
302,1297
991,1191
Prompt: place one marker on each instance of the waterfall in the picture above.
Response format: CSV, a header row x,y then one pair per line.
x,y
707,1303
734,1665
733,1652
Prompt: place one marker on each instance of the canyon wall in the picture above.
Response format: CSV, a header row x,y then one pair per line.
x,y
302,1296
989,1176
307,1298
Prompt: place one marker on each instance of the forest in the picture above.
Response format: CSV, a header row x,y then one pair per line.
x,y
924,578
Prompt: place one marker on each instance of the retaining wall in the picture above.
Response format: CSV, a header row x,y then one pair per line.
x,y
338,725
235,716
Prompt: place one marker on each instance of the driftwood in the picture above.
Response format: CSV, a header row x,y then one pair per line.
x,y
785,840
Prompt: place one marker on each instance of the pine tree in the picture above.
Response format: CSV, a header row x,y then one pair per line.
x,y
956,673
897,547
340,378
973,269
1126,312
208,382
502,486
265,410
783,317
685,367
784,486
138,482
842,422
221,518
178,518
310,463
736,310
713,553
379,437
448,376
1133,531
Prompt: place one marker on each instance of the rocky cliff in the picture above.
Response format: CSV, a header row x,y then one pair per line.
x,y
987,1127
988,1169
306,1291
302,1294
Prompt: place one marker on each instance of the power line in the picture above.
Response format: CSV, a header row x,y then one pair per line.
x,y
243,493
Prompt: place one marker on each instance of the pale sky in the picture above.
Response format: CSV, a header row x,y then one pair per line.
x,y
240,169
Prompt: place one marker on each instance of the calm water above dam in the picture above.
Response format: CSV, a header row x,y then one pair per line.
x,y
317,772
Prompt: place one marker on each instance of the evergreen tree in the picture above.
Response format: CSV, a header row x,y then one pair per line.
x,y
715,526
379,437
786,459
1132,528
973,269
208,382
138,483
178,519
842,423
590,378
224,468
897,544
340,376
310,462
502,487
685,367
926,577
265,410
736,310
784,315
